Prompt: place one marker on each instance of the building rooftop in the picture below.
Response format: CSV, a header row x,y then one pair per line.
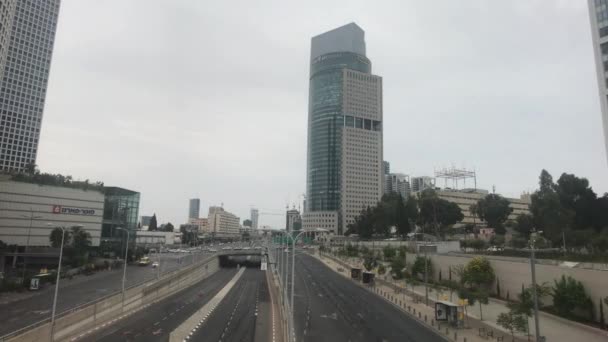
x,y
347,38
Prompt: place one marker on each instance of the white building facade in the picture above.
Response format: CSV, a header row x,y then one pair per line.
x,y
29,212
223,223
598,16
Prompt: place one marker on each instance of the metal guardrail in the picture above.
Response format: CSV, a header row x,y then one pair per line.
x,y
95,301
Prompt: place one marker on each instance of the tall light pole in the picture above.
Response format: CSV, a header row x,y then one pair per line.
x,y
534,295
124,271
63,229
27,244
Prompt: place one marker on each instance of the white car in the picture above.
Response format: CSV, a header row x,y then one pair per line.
x,y
155,264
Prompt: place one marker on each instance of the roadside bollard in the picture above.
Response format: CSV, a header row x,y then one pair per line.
x,y
432,322
464,339
447,331
414,311
455,336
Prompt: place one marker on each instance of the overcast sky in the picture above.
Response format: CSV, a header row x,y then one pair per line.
x,y
182,99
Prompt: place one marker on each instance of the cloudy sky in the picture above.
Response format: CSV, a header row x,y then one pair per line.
x,y
181,99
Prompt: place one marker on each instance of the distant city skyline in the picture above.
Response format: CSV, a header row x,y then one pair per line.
x,y
106,115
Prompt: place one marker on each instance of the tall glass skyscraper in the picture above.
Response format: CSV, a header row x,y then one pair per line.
x,y
344,161
27,36
598,16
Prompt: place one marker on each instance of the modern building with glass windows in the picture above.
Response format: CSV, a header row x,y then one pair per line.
x,y
121,209
344,159
194,210
598,16
27,36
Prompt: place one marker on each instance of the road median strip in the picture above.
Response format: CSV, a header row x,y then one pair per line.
x,y
188,327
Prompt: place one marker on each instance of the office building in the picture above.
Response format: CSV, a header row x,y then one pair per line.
x,y
399,183
27,37
344,153
255,214
145,222
223,223
466,197
598,16
386,171
194,210
121,209
202,224
422,183
293,221
29,212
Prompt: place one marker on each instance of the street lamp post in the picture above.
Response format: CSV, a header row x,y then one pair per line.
x,y
124,271
27,243
63,229
57,285
534,295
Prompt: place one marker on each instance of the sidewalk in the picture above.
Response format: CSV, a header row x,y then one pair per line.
x,y
552,327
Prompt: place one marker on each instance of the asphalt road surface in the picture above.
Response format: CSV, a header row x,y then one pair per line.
x,y
156,322
80,290
236,317
329,307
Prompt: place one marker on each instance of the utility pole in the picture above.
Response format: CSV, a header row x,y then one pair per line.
x,y
534,295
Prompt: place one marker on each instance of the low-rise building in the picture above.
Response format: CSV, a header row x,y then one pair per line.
x,y
466,197
223,223
151,238
29,212
201,223
293,220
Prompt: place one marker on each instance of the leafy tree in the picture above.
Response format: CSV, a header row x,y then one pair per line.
x,y
381,269
397,268
476,244
519,242
436,212
81,240
369,263
577,197
419,267
478,273
389,252
56,236
568,295
168,227
247,223
513,322
153,226
547,211
495,210
497,287
524,224
477,277
363,225
497,240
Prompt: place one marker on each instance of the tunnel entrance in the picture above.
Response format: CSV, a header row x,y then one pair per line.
x,y
229,261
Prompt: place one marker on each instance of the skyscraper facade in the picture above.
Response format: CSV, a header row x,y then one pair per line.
x,y
254,218
194,210
598,16
27,37
344,159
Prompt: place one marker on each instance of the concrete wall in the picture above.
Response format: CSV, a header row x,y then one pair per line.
x,y
513,273
85,317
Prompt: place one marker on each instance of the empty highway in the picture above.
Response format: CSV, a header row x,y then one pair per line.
x,y
329,307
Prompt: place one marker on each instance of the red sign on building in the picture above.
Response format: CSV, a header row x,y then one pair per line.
x,y
56,209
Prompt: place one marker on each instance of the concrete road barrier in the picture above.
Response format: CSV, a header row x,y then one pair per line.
x,y
78,320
